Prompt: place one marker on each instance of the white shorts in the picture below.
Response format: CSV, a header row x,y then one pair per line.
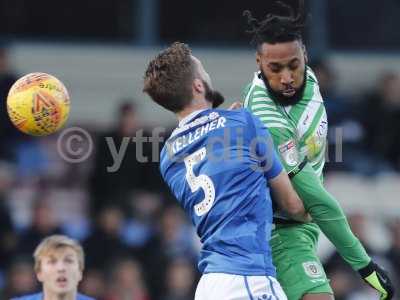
x,y
220,286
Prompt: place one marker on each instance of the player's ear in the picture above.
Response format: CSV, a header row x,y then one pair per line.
x,y
39,276
198,86
258,59
80,276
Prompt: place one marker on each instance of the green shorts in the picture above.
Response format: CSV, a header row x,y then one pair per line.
x,y
299,270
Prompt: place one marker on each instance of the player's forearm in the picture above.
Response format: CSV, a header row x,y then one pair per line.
x,y
326,212
286,197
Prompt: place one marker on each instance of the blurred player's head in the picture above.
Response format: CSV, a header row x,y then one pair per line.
x,y
176,80
59,263
180,278
280,52
127,118
20,278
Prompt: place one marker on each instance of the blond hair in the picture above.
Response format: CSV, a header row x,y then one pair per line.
x,y
55,242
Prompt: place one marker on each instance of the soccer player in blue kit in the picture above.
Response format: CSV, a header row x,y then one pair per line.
x,y
221,167
59,263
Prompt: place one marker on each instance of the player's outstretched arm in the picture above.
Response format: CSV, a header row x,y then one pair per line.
x,y
327,213
287,198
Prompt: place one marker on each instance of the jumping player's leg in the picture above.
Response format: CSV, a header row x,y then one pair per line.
x,y
299,270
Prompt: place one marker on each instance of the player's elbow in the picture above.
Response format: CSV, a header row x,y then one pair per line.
x,y
296,210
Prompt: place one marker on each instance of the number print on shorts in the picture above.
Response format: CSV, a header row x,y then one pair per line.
x,y
202,181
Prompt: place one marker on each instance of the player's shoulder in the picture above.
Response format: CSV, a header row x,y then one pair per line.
x,y
312,92
84,297
241,115
37,296
247,88
311,77
257,91
258,97
231,112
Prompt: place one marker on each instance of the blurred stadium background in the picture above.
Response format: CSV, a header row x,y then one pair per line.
x,y
138,243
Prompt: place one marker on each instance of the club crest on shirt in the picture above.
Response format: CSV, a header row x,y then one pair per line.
x,y
289,153
312,269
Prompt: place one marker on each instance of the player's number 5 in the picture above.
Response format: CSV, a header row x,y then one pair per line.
x,y
202,181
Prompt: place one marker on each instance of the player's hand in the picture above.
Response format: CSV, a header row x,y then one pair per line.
x,y
378,279
235,105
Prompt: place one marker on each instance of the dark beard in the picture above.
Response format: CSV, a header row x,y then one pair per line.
x,y
278,97
213,96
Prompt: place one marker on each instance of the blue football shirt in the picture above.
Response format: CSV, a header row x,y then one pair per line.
x,y
217,163
39,296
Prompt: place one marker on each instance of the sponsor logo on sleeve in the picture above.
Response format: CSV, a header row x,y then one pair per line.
x,y
289,153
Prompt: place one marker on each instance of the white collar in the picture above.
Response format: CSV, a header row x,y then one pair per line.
x,y
189,117
257,80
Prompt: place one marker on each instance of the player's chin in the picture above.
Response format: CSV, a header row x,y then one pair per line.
x,y
62,289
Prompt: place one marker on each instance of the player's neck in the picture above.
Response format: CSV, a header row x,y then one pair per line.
x,y
48,295
196,104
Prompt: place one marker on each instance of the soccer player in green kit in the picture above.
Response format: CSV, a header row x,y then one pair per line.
x,y
284,94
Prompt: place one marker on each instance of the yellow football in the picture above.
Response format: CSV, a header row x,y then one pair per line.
x,y
38,104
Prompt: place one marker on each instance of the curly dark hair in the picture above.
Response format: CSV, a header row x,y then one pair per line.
x,y
169,76
277,28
